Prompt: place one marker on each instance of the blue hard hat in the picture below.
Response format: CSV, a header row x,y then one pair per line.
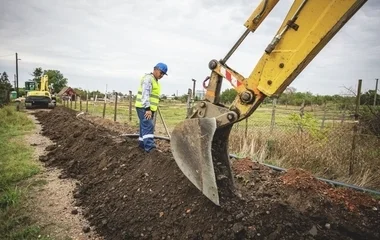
x,y
163,67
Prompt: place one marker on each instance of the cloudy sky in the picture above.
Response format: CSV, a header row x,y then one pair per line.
x,y
99,42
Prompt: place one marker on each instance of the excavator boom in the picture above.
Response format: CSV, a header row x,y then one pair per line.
x,y
44,85
200,143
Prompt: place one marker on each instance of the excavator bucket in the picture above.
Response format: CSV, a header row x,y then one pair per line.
x,y
200,150
191,142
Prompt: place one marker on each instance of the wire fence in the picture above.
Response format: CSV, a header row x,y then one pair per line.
x,y
332,152
332,144
327,141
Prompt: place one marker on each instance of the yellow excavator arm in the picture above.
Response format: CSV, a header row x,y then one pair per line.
x,y
44,85
200,143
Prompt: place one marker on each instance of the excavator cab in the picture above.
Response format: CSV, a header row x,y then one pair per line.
x,y
200,143
30,86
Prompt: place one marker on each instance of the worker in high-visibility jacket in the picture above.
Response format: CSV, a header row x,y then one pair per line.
x,y
147,99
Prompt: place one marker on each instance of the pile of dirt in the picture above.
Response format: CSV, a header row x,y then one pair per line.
x,y
129,194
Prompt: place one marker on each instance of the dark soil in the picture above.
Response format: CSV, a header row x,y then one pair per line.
x,y
129,194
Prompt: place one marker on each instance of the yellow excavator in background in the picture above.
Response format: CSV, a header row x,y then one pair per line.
x,y
200,143
39,96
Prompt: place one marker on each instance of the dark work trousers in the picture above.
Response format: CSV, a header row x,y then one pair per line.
x,y
146,136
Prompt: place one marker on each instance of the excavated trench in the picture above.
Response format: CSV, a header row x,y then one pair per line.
x,y
128,194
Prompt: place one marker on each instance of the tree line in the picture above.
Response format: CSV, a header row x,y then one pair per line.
x,y
291,97
5,88
5,84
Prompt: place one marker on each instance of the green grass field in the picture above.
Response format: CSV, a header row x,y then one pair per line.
x,y
174,112
16,165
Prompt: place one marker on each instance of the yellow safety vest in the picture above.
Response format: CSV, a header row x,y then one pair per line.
x,y
154,96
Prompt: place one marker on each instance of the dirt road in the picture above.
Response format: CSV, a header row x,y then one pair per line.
x,y
51,203
128,194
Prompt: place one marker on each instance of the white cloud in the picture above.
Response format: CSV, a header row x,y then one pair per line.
x,y
94,43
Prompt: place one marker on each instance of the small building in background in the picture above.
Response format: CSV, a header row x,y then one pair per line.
x,y
200,94
67,93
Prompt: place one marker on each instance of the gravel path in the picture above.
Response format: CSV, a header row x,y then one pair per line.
x,y
51,203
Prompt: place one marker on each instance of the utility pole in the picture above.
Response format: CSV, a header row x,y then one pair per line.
x,y
17,75
374,100
14,81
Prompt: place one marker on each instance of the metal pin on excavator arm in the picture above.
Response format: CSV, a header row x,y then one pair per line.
x,y
200,143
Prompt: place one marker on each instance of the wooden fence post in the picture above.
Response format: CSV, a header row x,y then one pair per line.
x,y
302,109
115,112
272,123
86,101
104,106
324,116
130,106
94,102
302,113
355,130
